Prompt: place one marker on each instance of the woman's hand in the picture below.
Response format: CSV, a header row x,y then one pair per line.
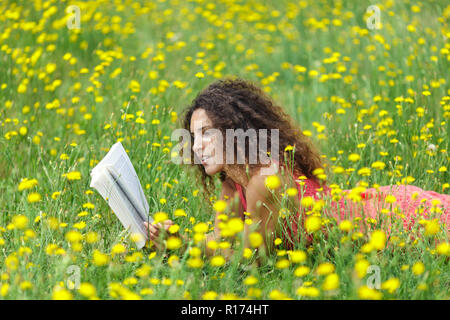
x,y
155,231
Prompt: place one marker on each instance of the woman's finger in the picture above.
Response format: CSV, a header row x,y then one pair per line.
x,y
148,226
168,222
153,231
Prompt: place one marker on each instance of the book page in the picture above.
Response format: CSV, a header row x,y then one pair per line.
x,y
108,188
116,180
118,158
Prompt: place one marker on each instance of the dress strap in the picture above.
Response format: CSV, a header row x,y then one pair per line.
x,y
241,195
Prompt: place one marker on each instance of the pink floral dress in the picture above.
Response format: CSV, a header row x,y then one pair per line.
x,y
402,204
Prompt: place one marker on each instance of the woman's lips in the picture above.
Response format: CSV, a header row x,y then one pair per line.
x,y
204,160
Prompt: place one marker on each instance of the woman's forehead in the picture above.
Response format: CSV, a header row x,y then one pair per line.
x,y
199,120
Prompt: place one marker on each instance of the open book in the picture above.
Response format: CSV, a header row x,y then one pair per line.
x,y
116,180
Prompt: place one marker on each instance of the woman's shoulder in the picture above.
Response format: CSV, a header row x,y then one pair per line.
x,y
228,185
257,182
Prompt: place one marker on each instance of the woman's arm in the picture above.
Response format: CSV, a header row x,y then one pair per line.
x,y
228,194
264,206
263,212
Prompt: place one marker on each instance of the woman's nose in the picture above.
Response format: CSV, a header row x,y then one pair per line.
x,y
197,147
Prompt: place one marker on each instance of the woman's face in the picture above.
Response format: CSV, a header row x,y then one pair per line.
x,y
208,146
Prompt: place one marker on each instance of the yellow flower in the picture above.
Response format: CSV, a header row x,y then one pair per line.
x,y
331,282
174,228
34,197
144,270
73,236
308,292
378,239
272,182
134,86
307,202
201,227
250,281
4,288
443,248
220,206
367,293
235,225
282,264
367,247
99,259
313,223
302,271
179,213
325,268
209,295
74,175
361,267
289,148
391,285
297,256
61,294
194,262
418,268
195,252
20,221
87,290
26,183
80,225
159,217
88,205
118,248
136,256
217,261
92,237
277,295
292,192
173,243
255,239
173,260
378,165
390,199
422,286
364,172
432,227
25,285
345,225
354,157
53,249
12,262
247,253
146,291
130,281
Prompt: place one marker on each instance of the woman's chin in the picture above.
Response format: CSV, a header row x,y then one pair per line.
x,y
212,169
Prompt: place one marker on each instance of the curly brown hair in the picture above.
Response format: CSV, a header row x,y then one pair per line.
x,y
234,103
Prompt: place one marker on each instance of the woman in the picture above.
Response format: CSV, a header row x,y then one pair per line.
x,y
238,104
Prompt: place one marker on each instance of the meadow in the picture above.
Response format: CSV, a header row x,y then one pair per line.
x,y
375,100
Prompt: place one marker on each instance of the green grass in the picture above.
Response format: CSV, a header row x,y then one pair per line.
x,y
356,97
